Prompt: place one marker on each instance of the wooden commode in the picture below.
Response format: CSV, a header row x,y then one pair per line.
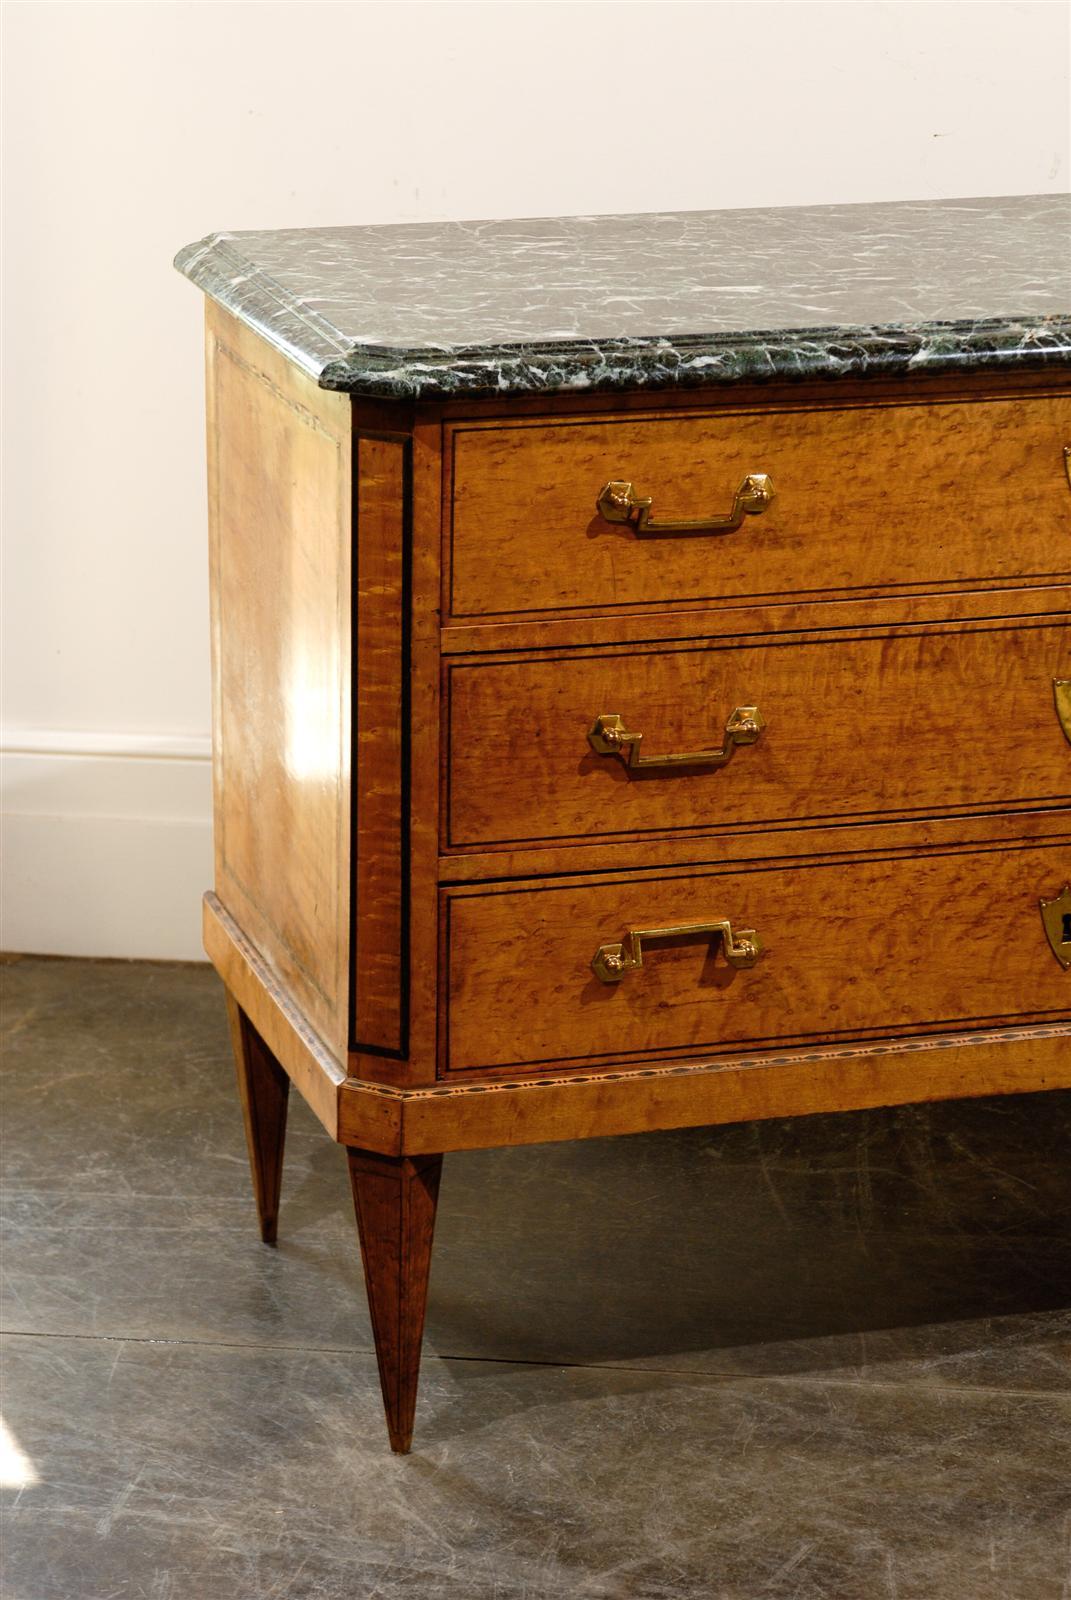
x,y
642,674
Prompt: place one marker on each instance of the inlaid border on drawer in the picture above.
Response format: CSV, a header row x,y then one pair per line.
x,y
936,939
957,472
947,720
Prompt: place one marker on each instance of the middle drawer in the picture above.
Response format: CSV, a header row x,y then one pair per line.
x,y
898,722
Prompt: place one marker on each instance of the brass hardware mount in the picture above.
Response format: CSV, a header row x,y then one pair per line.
x,y
611,962
618,503
1061,693
1056,918
608,736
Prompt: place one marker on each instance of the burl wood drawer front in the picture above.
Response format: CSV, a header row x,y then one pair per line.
x,y
889,723
866,498
848,949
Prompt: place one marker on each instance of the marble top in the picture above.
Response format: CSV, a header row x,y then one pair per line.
x,y
666,300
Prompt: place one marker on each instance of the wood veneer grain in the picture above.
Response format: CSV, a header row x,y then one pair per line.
x,y
380,949
868,947
891,722
279,516
876,497
503,1109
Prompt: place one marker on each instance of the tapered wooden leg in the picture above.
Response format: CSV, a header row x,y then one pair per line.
x,y
264,1089
395,1199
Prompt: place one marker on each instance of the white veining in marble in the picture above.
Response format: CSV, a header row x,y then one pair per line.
x,y
663,300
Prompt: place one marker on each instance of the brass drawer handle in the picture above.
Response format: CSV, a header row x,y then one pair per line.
x,y
1061,693
609,737
617,503
611,961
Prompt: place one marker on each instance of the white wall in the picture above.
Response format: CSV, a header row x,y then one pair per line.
x,y
134,128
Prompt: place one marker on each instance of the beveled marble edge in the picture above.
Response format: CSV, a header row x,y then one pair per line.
x,y
506,370
1007,342
230,278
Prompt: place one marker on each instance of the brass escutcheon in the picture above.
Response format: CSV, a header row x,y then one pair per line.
x,y
1056,917
1061,693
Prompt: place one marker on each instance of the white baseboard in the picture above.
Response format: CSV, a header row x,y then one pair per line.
x,y
107,843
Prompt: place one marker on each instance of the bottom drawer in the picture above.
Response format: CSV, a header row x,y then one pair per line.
x,y
847,949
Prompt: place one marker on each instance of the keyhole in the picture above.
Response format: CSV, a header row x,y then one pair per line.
x,y
1065,937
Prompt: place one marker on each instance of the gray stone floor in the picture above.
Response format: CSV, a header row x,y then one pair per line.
x,y
814,1360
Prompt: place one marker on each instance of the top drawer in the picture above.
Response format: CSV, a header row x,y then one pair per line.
x,y
873,498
